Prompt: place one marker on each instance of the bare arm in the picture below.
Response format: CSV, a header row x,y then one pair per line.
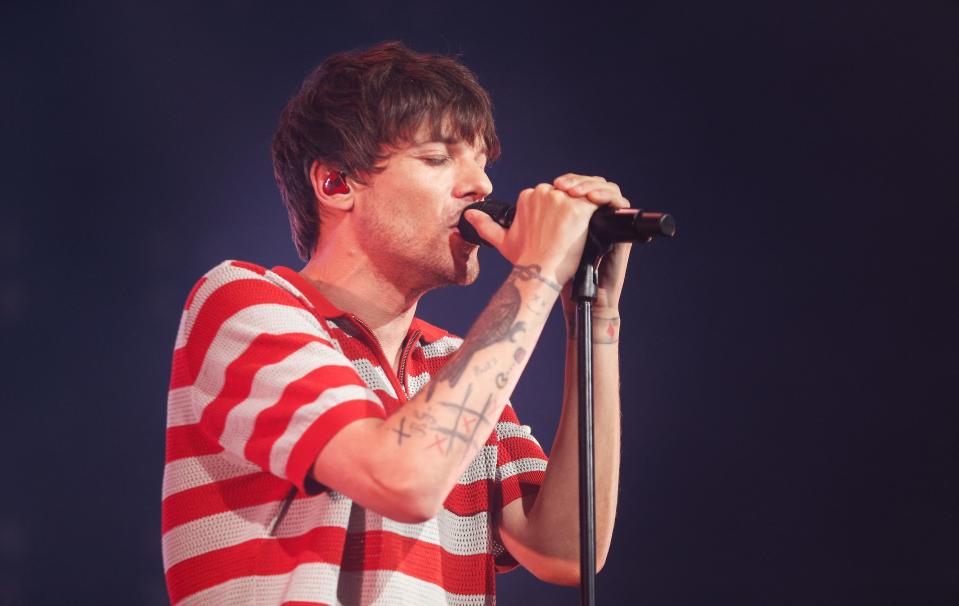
x,y
542,530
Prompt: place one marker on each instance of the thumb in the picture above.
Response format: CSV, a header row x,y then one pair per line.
x,y
486,227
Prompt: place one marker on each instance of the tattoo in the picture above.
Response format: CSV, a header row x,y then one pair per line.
x,y
514,330
438,442
481,369
400,434
423,415
461,409
464,427
495,324
503,378
608,332
605,330
537,304
532,272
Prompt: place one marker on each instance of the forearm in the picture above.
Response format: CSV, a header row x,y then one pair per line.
x,y
554,518
417,455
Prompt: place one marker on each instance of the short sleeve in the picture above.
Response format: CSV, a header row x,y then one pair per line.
x,y
520,467
265,382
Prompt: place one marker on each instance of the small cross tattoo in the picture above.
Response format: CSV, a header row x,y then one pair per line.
x,y
438,443
400,434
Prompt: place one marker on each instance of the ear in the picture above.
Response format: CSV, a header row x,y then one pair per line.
x,y
319,173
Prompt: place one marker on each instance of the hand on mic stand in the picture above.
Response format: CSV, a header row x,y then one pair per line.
x,y
611,264
594,477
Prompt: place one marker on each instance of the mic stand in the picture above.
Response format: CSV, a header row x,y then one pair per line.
x,y
584,293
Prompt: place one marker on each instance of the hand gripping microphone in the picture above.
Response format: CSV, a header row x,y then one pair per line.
x,y
607,225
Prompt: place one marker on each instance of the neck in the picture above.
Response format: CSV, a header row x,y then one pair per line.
x,y
348,280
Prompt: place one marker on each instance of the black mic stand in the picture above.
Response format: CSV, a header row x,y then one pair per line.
x,y
584,293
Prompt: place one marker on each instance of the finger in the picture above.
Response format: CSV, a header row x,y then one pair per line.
x,y
486,227
567,180
614,199
571,180
600,193
587,185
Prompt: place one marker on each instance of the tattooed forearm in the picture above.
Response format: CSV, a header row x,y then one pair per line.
x,y
495,324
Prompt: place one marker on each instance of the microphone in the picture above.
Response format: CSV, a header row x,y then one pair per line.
x,y
608,225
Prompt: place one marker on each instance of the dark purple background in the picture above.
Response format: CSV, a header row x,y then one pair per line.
x,y
789,360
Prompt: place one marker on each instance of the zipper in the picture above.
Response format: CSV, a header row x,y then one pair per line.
x,y
398,387
407,350
284,508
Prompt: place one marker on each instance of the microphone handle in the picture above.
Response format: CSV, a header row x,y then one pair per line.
x,y
608,225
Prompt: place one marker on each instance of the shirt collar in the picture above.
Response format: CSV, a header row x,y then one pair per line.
x,y
311,292
326,309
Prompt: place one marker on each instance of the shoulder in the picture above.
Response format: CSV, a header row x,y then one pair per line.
x,y
243,282
246,295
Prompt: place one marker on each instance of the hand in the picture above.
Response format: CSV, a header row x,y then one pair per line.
x,y
548,230
612,268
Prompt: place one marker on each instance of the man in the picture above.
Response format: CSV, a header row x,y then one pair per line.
x,y
324,445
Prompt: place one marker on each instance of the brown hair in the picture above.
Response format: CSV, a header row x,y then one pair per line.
x,y
357,102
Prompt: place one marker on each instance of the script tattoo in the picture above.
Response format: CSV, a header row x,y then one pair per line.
x,y
481,369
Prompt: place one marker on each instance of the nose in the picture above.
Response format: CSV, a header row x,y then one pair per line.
x,y
473,182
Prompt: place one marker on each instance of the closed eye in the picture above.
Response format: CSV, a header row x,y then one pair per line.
x,y
437,160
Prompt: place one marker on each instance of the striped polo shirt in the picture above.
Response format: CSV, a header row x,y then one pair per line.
x,y
265,372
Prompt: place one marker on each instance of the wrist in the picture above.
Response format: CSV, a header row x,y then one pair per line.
x,y
535,271
605,327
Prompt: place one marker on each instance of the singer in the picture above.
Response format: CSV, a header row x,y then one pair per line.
x,y
326,446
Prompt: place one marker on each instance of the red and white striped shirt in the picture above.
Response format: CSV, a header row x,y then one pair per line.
x,y
265,372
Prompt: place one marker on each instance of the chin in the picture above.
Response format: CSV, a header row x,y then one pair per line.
x,y
467,271
465,262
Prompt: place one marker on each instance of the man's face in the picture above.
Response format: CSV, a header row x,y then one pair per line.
x,y
407,214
